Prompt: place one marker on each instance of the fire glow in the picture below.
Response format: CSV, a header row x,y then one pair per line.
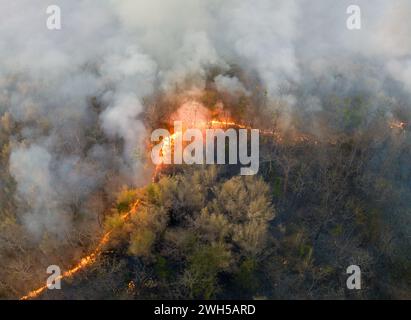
x,y
164,150
169,149
86,261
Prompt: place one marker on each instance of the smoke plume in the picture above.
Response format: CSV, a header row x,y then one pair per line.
x,y
77,94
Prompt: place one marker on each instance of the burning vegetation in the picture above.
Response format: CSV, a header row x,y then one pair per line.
x,y
78,187
202,231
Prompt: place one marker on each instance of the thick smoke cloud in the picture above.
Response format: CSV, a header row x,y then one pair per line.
x,y
95,73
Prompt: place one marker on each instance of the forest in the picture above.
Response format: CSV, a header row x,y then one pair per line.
x,y
317,205
79,189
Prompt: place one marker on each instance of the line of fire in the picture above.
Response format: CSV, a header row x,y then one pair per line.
x,y
196,116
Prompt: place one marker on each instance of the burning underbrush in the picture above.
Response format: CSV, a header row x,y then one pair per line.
x,y
330,187
318,204
190,229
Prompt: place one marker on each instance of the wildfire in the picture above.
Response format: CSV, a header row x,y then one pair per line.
x,y
226,123
92,257
167,147
86,261
168,142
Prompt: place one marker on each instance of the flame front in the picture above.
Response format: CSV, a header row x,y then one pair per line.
x,y
167,147
86,261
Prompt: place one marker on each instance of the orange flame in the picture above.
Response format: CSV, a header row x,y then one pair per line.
x,y
84,262
168,142
166,148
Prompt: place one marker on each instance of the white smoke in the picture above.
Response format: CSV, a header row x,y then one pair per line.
x,y
31,169
116,53
230,84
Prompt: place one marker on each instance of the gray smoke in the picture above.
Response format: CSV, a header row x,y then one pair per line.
x,y
77,93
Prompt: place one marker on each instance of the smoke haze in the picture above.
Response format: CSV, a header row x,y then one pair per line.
x,y
94,74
